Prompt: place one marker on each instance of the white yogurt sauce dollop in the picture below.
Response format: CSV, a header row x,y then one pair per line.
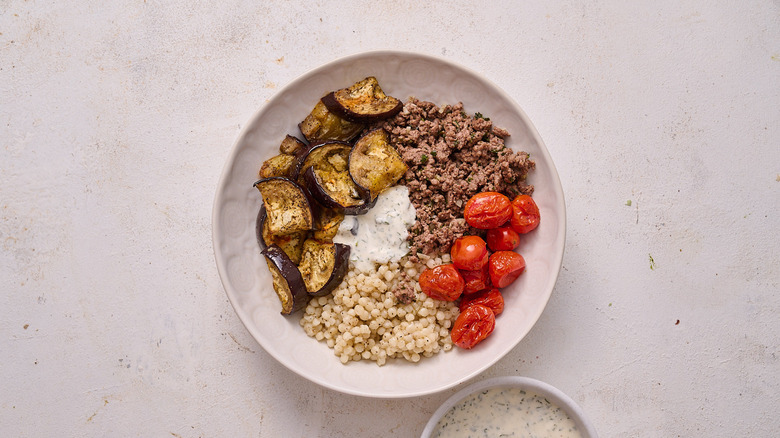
x,y
379,235
506,412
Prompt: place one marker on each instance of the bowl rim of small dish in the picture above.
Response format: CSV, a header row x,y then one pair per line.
x,y
555,395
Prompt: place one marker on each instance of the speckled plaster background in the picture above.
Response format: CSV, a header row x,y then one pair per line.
x,y
116,118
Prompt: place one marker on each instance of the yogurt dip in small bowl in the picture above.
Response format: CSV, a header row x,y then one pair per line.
x,y
510,406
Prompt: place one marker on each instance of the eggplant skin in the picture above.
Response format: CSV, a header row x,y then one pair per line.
x,y
322,125
325,173
323,266
291,244
287,204
287,280
362,102
326,224
291,145
317,155
350,203
374,164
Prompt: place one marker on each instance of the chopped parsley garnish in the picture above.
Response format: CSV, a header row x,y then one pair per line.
x,y
480,116
423,159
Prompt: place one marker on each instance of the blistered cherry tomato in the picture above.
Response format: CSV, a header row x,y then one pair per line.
x,y
469,253
472,326
487,210
490,298
443,282
504,267
476,281
525,214
502,239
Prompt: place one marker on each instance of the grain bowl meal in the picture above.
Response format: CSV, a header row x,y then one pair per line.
x,y
393,225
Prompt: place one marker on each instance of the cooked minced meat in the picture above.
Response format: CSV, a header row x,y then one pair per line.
x,y
451,157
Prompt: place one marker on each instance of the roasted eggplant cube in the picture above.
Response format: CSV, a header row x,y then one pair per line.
x,y
287,280
327,223
374,164
363,102
287,204
322,125
323,266
291,244
325,173
280,165
291,145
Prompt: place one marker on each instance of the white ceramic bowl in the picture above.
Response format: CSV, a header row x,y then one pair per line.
x,y
553,394
244,272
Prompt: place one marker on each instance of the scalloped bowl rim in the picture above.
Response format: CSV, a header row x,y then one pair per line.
x,y
557,246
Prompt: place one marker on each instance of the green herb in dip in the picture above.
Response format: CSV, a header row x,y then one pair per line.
x,y
379,236
506,412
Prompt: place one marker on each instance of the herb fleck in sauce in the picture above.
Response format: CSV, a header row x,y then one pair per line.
x,y
506,412
379,235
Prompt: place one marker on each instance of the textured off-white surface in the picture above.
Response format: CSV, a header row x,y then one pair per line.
x,y
116,119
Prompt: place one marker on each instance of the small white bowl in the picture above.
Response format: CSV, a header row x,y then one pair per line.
x,y
551,393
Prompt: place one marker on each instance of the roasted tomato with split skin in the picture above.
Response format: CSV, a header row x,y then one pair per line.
x,y
525,214
469,253
490,298
476,281
472,326
502,239
487,210
443,282
504,267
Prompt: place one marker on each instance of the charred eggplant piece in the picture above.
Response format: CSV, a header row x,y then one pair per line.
x,y
291,145
323,266
287,280
374,164
281,165
363,102
288,207
291,244
322,125
325,172
326,224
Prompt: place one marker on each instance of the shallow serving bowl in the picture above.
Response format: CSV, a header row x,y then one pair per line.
x,y
244,272
551,393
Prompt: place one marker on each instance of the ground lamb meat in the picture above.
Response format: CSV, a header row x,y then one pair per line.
x,y
404,291
451,157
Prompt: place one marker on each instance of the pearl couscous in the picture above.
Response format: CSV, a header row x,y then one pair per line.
x,y
362,319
